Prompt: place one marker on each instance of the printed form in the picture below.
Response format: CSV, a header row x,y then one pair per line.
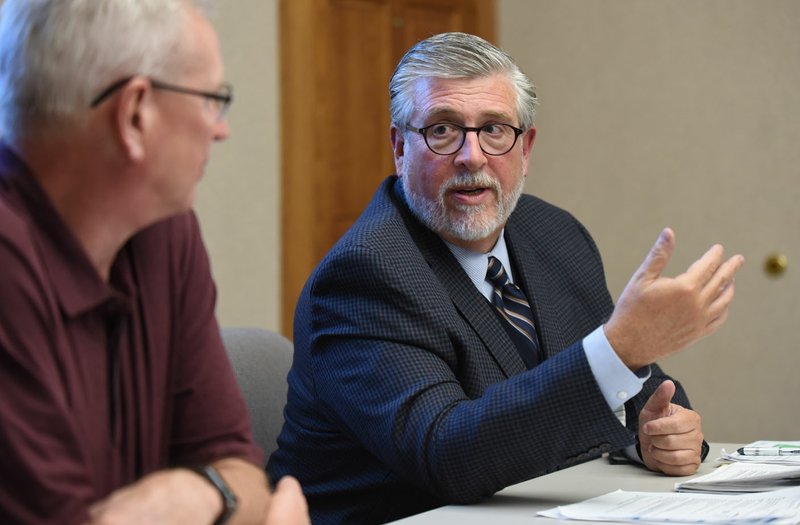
x,y
778,508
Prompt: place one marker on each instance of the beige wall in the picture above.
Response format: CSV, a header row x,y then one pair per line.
x,y
239,199
682,113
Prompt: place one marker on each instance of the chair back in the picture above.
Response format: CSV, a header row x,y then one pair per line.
x,y
261,360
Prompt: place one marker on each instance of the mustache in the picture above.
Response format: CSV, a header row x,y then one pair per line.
x,y
478,178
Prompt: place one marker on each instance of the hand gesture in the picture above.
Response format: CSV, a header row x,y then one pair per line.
x,y
670,437
656,316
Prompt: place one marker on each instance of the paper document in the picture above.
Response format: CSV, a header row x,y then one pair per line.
x,y
778,508
743,477
790,457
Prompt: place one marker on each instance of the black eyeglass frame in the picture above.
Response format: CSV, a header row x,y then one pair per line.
x,y
464,131
225,97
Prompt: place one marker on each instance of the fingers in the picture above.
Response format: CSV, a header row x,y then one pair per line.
x,y
722,279
288,505
675,454
658,256
703,269
673,444
718,294
682,462
718,309
710,272
714,280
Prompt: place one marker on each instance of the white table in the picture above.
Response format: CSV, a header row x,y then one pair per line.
x,y
519,503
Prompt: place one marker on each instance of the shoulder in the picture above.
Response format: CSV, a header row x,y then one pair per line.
x,y
382,229
14,226
381,250
177,237
535,212
28,304
18,253
183,227
546,222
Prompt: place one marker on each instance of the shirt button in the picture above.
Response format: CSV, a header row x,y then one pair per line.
x,y
622,395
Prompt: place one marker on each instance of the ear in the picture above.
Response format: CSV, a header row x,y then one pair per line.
x,y
398,148
131,120
527,146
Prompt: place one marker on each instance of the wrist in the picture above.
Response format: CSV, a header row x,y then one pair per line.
x,y
225,500
622,346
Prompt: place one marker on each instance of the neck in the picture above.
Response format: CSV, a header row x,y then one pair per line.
x,y
97,208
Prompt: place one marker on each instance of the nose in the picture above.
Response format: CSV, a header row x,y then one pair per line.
x,y
221,129
471,156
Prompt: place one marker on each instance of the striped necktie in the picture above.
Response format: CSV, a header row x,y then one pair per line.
x,y
512,306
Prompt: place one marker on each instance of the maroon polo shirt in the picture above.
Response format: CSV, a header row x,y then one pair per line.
x,y
101,383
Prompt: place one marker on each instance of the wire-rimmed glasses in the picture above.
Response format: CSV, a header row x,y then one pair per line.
x,y
221,99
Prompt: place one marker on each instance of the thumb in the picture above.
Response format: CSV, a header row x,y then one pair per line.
x,y
658,257
659,403
288,505
288,484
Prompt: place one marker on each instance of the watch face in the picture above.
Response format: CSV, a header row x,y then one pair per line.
x,y
229,501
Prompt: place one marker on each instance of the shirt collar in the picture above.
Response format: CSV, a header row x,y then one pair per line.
x,y
475,264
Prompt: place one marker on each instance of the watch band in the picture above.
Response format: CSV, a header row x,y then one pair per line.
x,y
229,501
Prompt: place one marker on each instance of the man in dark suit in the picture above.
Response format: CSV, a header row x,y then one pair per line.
x,y
421,377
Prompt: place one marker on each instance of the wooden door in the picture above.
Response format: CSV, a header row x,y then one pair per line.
x,y
337,57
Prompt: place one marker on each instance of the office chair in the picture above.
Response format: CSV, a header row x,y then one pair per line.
x,y
261,360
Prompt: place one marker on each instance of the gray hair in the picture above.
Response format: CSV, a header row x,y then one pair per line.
x,y
456,55
56,55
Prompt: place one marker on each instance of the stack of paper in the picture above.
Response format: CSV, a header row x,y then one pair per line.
x,y
743,477
775,452
777,508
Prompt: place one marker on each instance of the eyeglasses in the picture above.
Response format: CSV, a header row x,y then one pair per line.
x,y
220,100
445,138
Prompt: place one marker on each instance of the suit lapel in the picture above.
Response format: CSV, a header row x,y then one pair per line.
x,y
475,309
529,275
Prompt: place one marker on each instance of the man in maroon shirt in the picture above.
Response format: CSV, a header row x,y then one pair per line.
x,y
117,402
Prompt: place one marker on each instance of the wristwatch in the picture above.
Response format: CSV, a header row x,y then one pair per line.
x,y
229,501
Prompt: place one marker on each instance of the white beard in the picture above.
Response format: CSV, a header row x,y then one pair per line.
x,y
465,222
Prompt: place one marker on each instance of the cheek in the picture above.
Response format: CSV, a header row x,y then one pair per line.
x,y
509,173
427,178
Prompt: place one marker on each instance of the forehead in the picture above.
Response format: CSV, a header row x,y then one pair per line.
x,y
469,100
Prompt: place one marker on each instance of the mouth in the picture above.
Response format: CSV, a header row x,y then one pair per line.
x,y
471,195
471,191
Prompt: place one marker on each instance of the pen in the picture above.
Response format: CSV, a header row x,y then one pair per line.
x,y
768,451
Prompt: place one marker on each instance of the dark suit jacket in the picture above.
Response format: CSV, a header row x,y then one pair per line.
x,y
407,393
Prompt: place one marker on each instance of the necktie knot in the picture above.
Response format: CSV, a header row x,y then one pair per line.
x,y
496,274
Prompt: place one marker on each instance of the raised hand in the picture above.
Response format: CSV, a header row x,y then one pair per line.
x,y
656,316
